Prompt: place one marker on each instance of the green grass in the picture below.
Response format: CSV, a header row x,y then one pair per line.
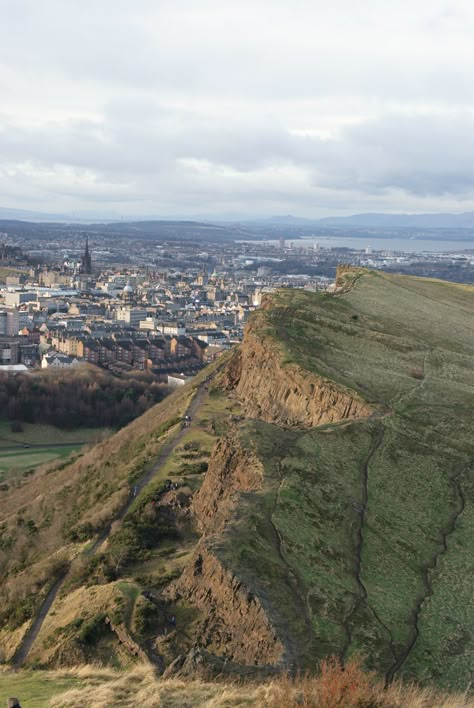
x,y
33,433
6,271
34,689
16,462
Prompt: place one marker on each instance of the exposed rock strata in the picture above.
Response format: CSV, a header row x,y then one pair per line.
x,y
286,395
236,625
231,470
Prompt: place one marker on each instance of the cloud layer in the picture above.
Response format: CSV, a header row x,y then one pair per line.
x,y
221,108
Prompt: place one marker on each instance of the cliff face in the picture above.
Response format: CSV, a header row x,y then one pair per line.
x,y
231,470
286,395
236,625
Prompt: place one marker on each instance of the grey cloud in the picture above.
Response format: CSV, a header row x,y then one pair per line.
x,y
182,104
422,155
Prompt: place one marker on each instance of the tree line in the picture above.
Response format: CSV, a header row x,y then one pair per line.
x,y
83,397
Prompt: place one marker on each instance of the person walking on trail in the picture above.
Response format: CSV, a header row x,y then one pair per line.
x,y
135,491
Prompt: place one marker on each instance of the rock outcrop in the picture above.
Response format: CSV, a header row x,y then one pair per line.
x,y
235,626
231,470
238,625
286,394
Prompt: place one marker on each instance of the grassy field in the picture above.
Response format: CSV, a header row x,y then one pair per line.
x,y
36,433
7,271
15,462
19,452
34,690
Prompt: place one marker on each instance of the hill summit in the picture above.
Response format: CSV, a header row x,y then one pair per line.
x,y
310,495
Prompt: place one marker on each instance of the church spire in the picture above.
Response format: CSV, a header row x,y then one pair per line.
x,y
86,264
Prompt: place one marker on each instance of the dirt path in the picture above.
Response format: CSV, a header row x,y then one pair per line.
x,y
32,632
426,573
292,580
163,455
362,591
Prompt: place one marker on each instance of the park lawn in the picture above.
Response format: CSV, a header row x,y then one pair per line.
x,y
19,461
34,689
33,433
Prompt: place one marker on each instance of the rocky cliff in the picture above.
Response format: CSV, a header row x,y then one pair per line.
x,y
236,625
231,470
239,625
285,394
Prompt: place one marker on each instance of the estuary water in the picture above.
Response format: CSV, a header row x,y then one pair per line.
x,y
397,244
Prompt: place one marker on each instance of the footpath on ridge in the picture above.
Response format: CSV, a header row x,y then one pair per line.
x,y
33,630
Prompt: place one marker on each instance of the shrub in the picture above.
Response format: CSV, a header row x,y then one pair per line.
x,y
335,687
145,614
91,631
20,611
194,468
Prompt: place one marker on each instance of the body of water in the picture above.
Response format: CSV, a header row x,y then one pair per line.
x,y
405,245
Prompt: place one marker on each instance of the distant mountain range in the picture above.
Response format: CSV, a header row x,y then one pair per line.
x,y
367,220
423,221
378,220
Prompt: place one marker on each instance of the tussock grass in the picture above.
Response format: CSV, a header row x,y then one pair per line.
x,y
98,687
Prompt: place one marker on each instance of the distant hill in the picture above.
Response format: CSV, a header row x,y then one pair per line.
x,y
224,228
422,221
371,220
28,215
161,230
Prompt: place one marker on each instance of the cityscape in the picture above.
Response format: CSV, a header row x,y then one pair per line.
x,y
165,304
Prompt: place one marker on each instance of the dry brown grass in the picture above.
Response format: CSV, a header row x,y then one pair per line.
x,y
355,688
140,687
333,688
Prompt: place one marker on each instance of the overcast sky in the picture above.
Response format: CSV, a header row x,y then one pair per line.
x,y
249,108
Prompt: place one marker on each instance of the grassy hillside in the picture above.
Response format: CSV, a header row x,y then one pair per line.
x,y
53,523
366,527
47,518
